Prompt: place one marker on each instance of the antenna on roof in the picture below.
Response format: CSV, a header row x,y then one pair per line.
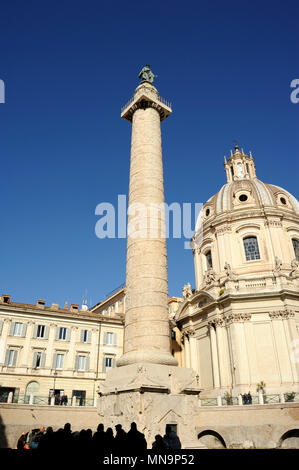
x,y
84,302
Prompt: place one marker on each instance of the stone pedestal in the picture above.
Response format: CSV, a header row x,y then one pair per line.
x,y
152,396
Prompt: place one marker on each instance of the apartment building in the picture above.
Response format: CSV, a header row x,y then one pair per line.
x,y
48,351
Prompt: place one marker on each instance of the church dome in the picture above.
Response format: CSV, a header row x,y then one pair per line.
x,y
248,227
244,190
244,193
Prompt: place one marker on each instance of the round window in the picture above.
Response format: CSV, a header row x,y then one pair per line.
x,y
243,197
283,201
208,212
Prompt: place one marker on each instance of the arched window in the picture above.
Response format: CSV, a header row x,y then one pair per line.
x,y
296,248
251,248
32,388
209,259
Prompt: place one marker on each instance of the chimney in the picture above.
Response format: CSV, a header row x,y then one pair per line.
x,y
5,298
41,303
74,308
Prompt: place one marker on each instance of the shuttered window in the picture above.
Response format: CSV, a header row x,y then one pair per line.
x,y
108,363
41,331
11,357
38,360
110,339
58,361
82,363
19,329
63,333
85,336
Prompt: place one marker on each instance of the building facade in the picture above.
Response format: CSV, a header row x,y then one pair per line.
x,y
50,351
47,351
240,325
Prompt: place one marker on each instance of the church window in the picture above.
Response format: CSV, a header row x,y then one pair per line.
x,y
209,259
296,248
232,171
247,168
251,248
283,201
207,212
243,197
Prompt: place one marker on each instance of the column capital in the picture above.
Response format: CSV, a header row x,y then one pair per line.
x,y
282,314
146,96
237,318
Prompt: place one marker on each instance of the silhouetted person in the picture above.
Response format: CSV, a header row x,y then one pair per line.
x,y
171,439
249,398
46,441
64,400
120,439
245,399
22,440
135,440
99,440
109,441
37,438
159,445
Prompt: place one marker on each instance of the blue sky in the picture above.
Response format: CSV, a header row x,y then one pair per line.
x,y
69,66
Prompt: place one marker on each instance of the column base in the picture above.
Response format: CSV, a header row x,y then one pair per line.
x,y
150,357
152,396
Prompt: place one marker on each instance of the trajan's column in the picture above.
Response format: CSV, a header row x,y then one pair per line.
x,y
147,386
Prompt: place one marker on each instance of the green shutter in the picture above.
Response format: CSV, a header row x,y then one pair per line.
x,y
12,327
14,361
68,334
24,329
87,363
89,336
6,357
34,360
46,332
1,325
43,360
35,331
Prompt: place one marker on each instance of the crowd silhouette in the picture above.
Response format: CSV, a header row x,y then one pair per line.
x,y
45,441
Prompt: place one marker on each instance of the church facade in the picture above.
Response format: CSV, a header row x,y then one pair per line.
x,y
240,325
